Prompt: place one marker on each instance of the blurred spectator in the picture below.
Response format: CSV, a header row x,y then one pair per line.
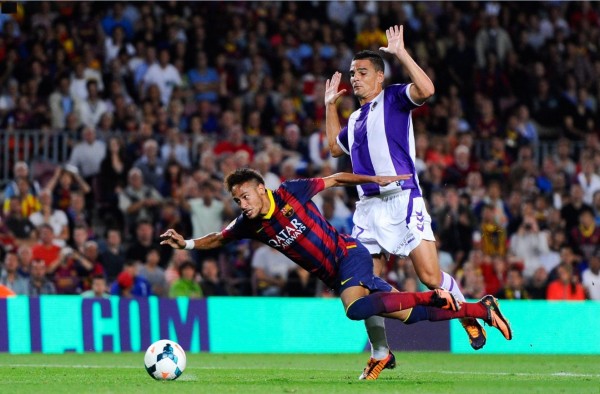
x,y
270,271
585,237
571,211
138,201
538,285
99,288
207,212
588,178
491,38
130,284
456,227
514,289
456,174
112,178
154,274
91,109
212,283
566,286
186,285
143,241
27,202
63,183
151,164
113,256
20,228
164,75
21,170
38,283
64,273
61,103
54,217
204,79
10,276
80,77
175,149
590,278
300,283
493,236
529,243
45,250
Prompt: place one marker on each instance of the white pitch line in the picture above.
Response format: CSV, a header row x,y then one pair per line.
x,y
524,374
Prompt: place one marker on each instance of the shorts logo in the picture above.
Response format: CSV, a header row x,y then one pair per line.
x,y
287,211
420,219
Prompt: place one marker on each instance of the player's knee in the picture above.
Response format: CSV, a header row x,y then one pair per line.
x,y
359,310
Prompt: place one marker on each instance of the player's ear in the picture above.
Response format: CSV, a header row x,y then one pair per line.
x,y
380,77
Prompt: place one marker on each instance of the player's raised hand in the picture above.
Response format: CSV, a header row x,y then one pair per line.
x,y
173,239
384,180
331,88
395,38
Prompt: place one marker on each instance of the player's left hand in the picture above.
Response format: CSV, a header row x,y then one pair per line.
x,y
173,239
382,180
395,38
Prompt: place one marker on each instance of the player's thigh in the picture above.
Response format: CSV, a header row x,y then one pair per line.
x,y
427,266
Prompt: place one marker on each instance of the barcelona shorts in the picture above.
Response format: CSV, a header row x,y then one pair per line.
x,y
356,269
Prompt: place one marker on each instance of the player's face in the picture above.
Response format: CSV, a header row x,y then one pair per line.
x,y
250,197
366,81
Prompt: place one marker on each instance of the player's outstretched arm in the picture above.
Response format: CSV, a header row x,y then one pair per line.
x,y
422,87
332,121
176,241
348,179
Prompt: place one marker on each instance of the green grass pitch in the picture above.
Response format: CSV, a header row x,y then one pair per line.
x,y
229,373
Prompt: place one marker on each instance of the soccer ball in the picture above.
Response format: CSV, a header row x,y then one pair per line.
x,y
165,360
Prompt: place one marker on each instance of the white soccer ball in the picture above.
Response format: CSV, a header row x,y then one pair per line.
x,y
165,360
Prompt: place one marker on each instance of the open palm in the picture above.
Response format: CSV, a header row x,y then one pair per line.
x,y
395,38
331,88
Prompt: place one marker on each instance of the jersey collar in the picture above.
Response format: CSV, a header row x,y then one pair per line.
x,y
272,208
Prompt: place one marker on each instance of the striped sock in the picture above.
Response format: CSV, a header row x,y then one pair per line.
x,y
448,283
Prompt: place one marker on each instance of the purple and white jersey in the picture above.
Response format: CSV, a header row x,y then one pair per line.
x,y
380,141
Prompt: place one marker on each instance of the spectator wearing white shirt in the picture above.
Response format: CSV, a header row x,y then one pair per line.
x,y
56,218
590,278
164,75
88,154
91,109
270,271
588,179
79,79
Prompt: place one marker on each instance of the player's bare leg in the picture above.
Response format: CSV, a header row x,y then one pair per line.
x,y
425,261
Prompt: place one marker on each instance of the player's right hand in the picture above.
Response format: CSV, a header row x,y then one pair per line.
x,y
384,180
331,89
173,239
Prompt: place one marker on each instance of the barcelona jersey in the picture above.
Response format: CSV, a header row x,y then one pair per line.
x,y
295,227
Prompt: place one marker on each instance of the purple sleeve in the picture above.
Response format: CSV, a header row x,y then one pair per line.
x,y
301,189
342,140
399,95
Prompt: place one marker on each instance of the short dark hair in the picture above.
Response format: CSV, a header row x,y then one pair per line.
x,y
374,57
186,264
242,175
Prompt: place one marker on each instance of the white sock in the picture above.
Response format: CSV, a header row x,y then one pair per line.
x,y
448,283
376,330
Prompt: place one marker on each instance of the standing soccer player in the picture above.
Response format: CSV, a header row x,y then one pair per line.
x,y
380,141
287,220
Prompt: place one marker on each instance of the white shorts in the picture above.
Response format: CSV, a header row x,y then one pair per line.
x,y
395,223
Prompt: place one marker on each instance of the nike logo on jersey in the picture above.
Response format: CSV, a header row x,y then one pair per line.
x,y
346,281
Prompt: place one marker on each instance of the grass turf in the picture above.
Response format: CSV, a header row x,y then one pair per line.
x,y
220,373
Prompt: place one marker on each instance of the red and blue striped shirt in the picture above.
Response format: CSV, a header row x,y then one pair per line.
x,y
295,227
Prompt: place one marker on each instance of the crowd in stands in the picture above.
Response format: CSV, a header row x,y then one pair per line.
x,y
157,101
